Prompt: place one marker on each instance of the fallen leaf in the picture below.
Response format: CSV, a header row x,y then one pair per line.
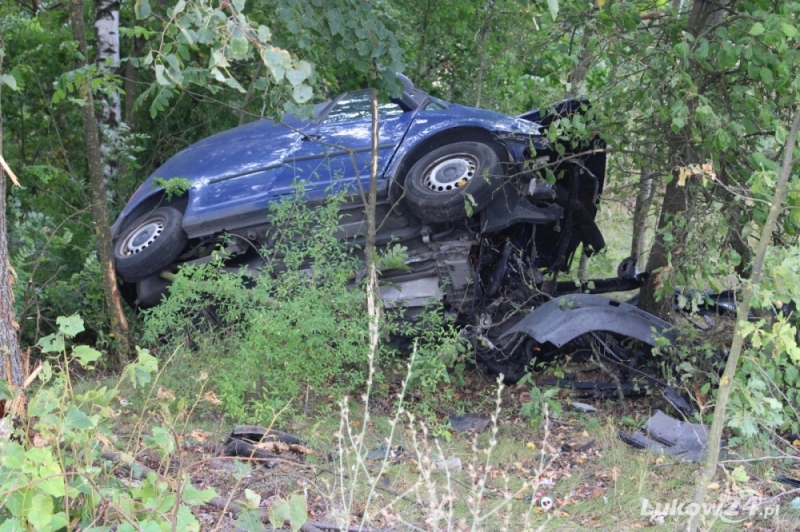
x,y
165,394
211,397
200,435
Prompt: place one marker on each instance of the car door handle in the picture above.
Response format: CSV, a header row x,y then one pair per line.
x,y
311,136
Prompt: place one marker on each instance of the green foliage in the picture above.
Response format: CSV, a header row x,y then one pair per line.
x,y
177,186
297,326
63,476
541,401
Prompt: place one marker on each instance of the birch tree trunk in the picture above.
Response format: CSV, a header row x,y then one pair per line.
x,y
106,25
576,83
10,358
644,199
119,324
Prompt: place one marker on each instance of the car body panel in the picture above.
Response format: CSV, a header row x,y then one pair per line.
x,y
565,318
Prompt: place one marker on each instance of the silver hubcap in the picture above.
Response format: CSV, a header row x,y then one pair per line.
x,y
142,237
452,173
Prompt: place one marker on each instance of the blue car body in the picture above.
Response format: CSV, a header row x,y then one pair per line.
x,y
235,175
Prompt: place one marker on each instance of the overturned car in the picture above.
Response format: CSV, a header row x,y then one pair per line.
x,y
486,207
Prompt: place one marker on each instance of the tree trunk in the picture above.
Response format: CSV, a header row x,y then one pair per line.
x,y
131,77
107,57
119,324
726,381
576,82
644,200
487,26
682,152
10,356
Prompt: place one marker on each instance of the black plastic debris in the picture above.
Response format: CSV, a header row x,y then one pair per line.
x,y
789,481
666,435
263,445
467,422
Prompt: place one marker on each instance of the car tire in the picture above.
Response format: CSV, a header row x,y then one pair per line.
x,y
442,181
149,244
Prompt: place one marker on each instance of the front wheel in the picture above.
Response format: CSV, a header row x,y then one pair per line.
x,y
150,244
441,183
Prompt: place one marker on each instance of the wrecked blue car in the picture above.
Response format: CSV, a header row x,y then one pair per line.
x,y
486,206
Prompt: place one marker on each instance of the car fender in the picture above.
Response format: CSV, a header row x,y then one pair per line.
x,y
428,125
565,318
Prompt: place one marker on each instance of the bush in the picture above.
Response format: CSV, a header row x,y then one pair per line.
x,y
296,328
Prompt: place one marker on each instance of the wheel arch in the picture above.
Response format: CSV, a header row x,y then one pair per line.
x,y
149,204
427,144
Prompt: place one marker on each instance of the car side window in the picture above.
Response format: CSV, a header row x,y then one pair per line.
x,y
356,106
434,106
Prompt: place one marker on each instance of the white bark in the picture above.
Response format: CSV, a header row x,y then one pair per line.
x,y
107,55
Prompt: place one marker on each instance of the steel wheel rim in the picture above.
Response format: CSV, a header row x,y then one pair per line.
x,y
450,173
142,237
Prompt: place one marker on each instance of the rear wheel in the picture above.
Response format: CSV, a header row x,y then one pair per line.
x,y
441,183
150,244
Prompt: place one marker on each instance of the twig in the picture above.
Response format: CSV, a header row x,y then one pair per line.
x,y
774,499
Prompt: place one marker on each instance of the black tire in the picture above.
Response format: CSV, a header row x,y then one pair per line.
x,y
438,184
149,244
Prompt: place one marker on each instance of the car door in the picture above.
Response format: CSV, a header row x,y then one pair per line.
x,y
334,152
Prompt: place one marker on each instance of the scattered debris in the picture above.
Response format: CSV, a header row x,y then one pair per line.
x,y
789,481
467,422
576,447
450,464
583,407
546,503
385,453
667,435
266,445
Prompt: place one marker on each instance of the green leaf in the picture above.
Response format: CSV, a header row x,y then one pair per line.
x,y
12,525
553,6
162,440
757,29
194,496
295,76
85,354
789,30
141,371
180,5
298,512
239,43
264,34
302,93
70,326
41,512
250,521
5,391
142,8
294,511
77,420
52,343
8,79
160,75
186,520
766,76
